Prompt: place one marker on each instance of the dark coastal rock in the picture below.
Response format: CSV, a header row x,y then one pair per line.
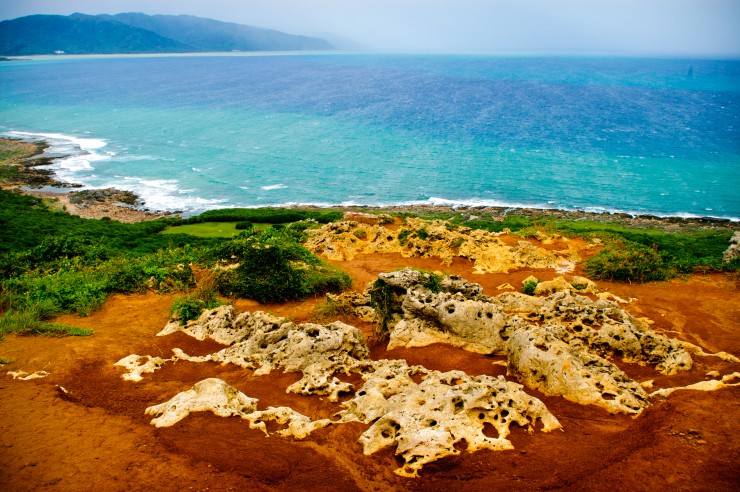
x,y
104,195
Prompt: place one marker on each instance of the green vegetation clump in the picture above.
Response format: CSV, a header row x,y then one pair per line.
x,y
642,254
628,262
432,281
529,286
24,318
202,297
403,236
263,216
330,310
381,297
274,267
244,225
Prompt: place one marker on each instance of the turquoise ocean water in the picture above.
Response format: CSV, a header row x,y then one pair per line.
x,y
198,132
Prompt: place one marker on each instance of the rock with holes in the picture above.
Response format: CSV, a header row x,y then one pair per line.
x,y
209,395
543,361
318,351
581,331
425,420
601,325
212,323
419,238
449,318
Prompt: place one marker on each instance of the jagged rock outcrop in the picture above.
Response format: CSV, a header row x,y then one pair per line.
x,y
264,342
556,343
733,250
216,396
419,238
424,421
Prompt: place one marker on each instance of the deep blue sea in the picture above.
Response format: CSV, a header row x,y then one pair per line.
x,y
197,132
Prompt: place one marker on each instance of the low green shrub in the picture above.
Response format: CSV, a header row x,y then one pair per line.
x,y
529,286
244,225
625,261
381,297
330,310
202,297
403,236
264,216
273,267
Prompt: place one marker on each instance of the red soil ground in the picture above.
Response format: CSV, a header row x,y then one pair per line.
x,y
94,435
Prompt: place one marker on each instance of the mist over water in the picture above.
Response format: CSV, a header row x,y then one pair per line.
x,y
191,133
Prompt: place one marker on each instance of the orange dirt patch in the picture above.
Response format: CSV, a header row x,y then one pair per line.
x,y
84,428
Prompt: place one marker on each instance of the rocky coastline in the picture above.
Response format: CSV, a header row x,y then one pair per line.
x,y
128,207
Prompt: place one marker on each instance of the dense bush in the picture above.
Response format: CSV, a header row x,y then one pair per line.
x,y
264,216
275,268
530,286
26,223
625,261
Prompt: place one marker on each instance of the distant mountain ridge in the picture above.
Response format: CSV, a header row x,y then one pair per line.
x,y
140,33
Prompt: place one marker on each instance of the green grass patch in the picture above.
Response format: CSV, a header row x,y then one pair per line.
x,y
24,319
205,229
331,310
4,361
59,331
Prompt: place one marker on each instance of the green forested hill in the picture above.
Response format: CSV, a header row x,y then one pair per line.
x,y
212,35
140,33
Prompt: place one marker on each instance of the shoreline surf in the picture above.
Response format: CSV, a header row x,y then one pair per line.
x,y
80,151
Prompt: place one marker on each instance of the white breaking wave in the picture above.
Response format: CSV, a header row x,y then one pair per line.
x,y
273,187
74,157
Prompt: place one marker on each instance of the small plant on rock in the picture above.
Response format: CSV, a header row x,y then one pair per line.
x,y
530,285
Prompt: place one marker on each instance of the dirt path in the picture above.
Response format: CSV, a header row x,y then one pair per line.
x,y
93,435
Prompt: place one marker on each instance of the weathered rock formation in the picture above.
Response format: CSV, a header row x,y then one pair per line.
x,y
419,238
733,250
264,342
556,343
424,421
138,365
216,396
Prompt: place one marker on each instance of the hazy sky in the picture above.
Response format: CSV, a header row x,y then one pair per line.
x,y
629,27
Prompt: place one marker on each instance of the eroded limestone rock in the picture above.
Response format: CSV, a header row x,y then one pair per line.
x,y
25,376
210,395
733,250
711,385
268,342
424,421
556,342
543,361
216,396
138,365
419,238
